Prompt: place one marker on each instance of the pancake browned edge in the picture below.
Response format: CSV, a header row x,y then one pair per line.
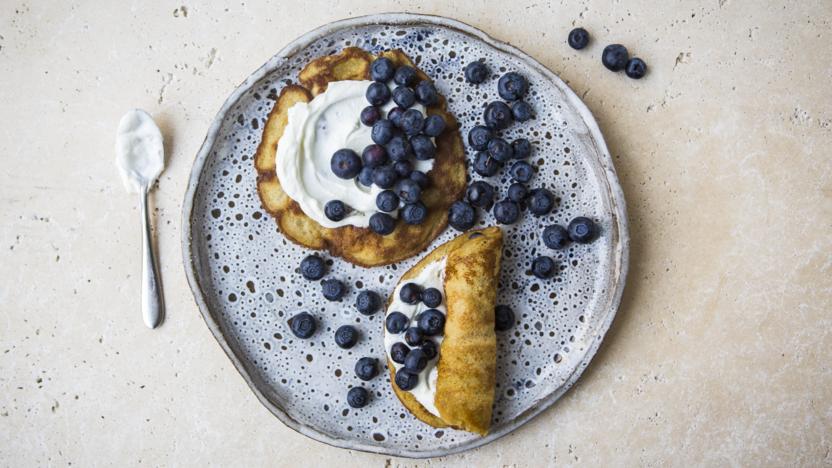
x,y
468,352
358,245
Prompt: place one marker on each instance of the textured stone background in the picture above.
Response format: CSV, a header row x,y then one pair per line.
x,y
720,354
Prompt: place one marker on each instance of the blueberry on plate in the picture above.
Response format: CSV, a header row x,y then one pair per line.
x,y
374,155
378,94
358,397
396,322
413,336
368,302
476,72
382,223
541,201
423,148
406,380
370,115
399,148
506,212
410,293
346,336
485,165
366,368
403,169
408,191
387,201
480,194
385,176
512,86
404,97
312,267
414,213
615,57
636,68
333,289
335,210
399,352
412,122
432,297
500,150
382,132
517,192
429,348
434,125
431,322
366,176
345,163
503,318
498,115
522,148
543,267
581,230
578,38
521,171
426,93
522,111
382,69
303,325
395,115
479,136
415,361
405,76
462,216
555,237
420,178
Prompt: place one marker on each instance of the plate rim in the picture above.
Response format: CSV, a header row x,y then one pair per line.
x,y
613,187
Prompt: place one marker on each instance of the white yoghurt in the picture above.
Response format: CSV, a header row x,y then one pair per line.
x,y
432,276
139,152
315,131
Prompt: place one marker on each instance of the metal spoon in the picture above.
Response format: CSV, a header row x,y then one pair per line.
x,y
140,158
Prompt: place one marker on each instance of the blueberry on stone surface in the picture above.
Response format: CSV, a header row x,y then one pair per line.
x,y
462,216
415,361
303,325
403,169
382,132
480,194
413,336
382,223
476,72
479,136
636,68
404,97
396,322
431,322
382,69
346,336
432,297
408,191
358,397
555,237
385,176
369,115
541,201
498,115
412,122
405,76
581,230
500,150
333,289
521,110
399,148
423,148
485,165
521,171
512,86
503,318
368,302
543,267
378,94
374,155
522,148
426,93
345,163
410,293
398,352
517,192
506,212
420,178
434,125
429,348
366,368
414,213
312,267
615,57
335,210
406,380
578,38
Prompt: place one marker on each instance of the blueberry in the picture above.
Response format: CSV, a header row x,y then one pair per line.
x,y
543,267
429,348
500,150
506,212
382,132
555,236
462,216
517,192
378,94
399,352
541,201
396,322
312,267
615,57
512,86
346,336
503,318
636,68
414,213
480,194
521,171
303,325
382,223
431,322
522,111
423,148
395,116
578,38
367,302
382,69
432,297
385,176
374,155
479,137
426,93
522,148
358,397
404,97
581,230
420,178
434,125
335,210
370,115
476,72
498,115
345,163
399,148
410,293
415,361
366,368
413,336
333,289
405,76
366,176
485,165
403,169
412,122
408,191
406,380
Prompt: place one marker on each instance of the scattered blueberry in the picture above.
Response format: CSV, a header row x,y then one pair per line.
x,y
500,150
303,325
517,192
384,176
429,348
506,212
399,148
434,125
480,194
476,72
578,38
366,176
431,322
406,380
636,68
485,165
312,267
410,293
503,318
368,302
555,236
541,201
370,115
408,191
358,397
366,368
382,70
420,178
335,210
405,76
412,122
615,57
479,137
415,361
498,115
426,93
423,148
374,155
462,216
413,336
522,111
414,213
543,267
345,163
382,223
399,352
581,230
403,169
512,86
521,171
346,336
522,148
378,94
432,297
333,289
404,97
382,132
396,322
395,115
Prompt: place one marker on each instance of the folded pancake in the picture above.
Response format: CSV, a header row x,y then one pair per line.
x,y
358,245
464,386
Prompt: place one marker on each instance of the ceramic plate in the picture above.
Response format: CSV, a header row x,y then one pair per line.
x,y
244,275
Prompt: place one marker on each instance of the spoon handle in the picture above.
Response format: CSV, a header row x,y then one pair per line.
x,y
153,307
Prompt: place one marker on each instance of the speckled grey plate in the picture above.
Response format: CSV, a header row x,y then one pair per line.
x,y
244,273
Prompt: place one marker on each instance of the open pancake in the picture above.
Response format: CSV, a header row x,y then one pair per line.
x,y
358,245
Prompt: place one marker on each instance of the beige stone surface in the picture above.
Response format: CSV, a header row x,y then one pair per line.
x,y
722,350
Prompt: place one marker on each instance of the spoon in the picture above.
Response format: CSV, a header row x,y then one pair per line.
x,y
140,158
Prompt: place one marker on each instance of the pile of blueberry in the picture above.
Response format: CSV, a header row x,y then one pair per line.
x,y
403,135
615,56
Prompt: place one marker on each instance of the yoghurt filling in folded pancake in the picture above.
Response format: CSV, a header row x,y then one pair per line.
x,y
456,387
